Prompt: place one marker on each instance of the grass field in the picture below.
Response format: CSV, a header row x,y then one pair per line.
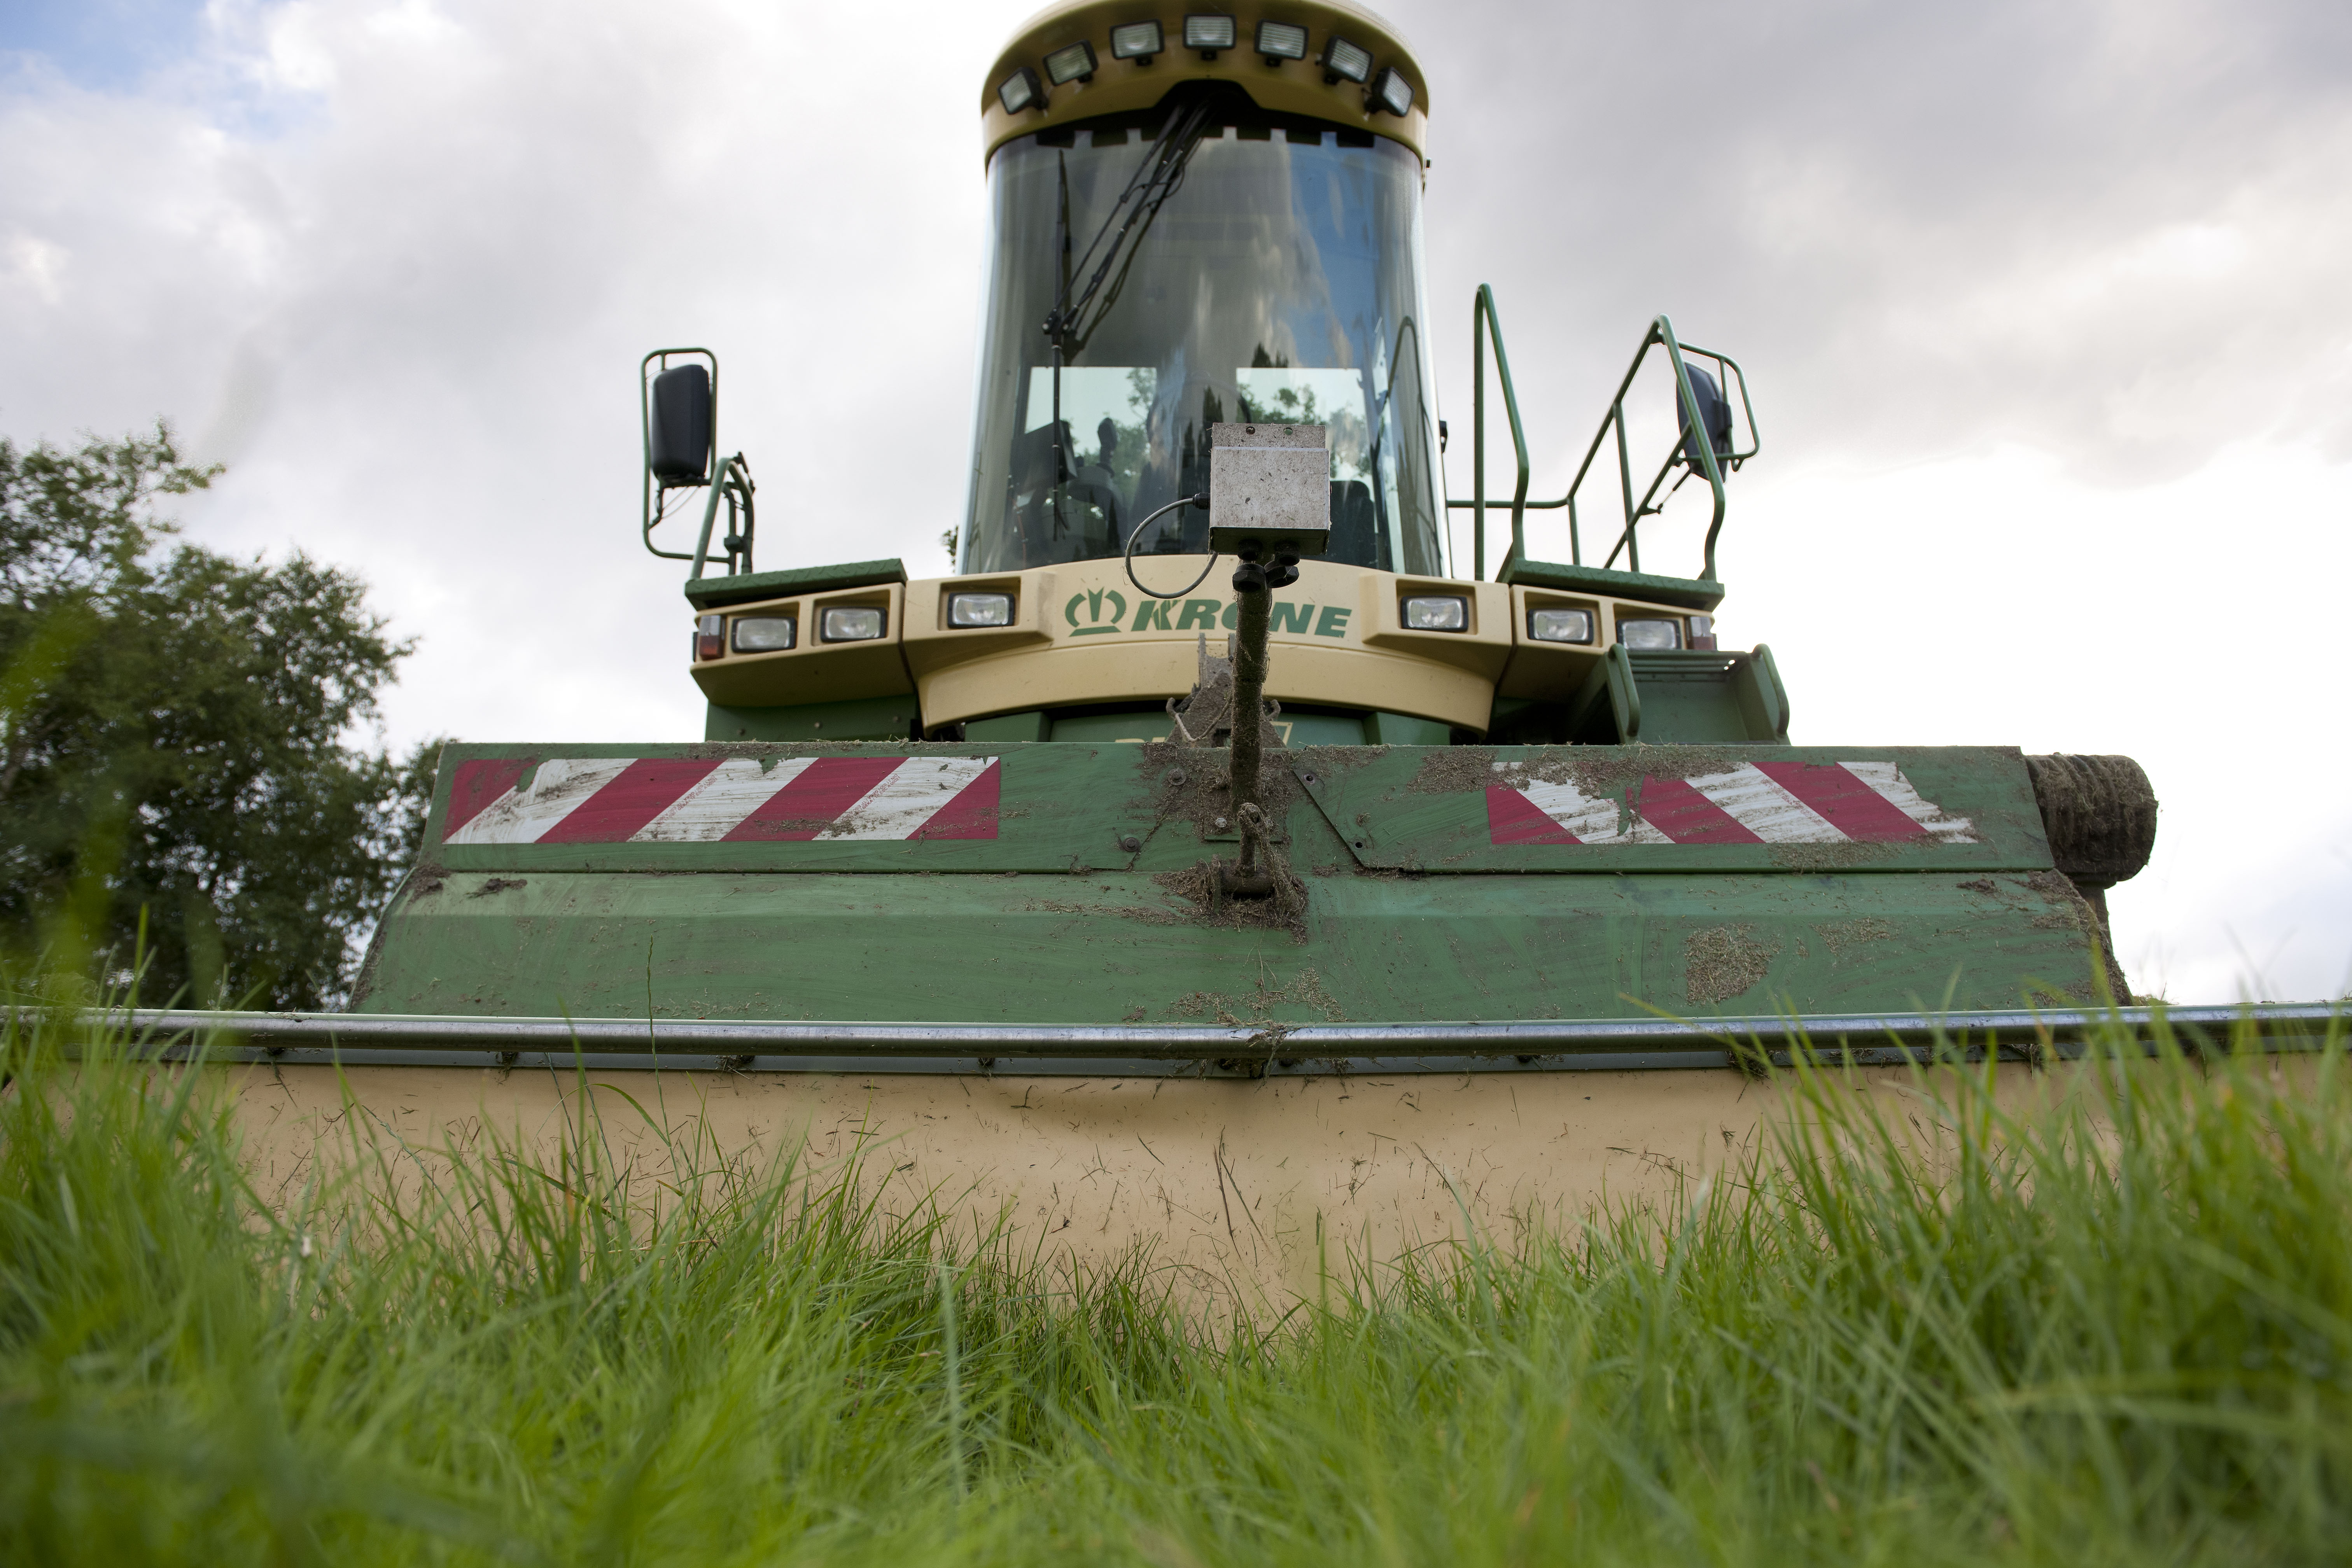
x,y
2115,1329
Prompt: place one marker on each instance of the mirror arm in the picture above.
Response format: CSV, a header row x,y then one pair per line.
x,y
734,476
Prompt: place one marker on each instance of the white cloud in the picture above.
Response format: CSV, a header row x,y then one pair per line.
x,y
2041,305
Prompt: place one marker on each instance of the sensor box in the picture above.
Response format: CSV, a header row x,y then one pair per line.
x,y
1269,489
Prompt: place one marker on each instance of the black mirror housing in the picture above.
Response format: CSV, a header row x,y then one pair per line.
x,y
678,432
1712,416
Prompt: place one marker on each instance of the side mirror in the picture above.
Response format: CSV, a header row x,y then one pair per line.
x,y
678,428
1712,416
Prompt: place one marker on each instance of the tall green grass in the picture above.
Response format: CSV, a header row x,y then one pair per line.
x,y
2117,1328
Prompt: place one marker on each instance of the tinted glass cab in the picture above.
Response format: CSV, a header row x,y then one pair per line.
x,y
1277,276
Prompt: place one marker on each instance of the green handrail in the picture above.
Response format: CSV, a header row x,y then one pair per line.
x,y
1484,321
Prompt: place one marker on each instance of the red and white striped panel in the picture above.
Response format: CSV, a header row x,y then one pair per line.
x,y
703,800
1754,802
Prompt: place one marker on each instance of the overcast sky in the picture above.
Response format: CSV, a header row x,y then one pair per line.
x,y
2044,306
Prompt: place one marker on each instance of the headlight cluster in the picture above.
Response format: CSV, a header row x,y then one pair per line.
x,y
715,635
1642,634
1210,33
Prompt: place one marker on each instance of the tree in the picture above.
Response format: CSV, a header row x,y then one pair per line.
x,y
177,765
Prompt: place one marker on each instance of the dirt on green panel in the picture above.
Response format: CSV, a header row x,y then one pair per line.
x,y
1255,1008
2073,909
1847,936
1146,913
1196,885
1194,784
1721,962
1609,775
1451,770
1845,856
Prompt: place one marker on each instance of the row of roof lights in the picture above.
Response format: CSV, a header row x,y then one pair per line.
x,y
1277,42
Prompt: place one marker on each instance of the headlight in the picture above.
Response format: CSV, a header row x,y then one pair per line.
x,y
850,623
1702,632
764,634
709,635
1560,625
1210,32
1435,613
979,610
1076,63
1279,41
1136,41
1649,636
1342,59
1020,91
1391,91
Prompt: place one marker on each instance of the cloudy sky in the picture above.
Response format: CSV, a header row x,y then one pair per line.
x,y
2043,302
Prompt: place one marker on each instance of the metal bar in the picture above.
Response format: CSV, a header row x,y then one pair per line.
x,y
1625,486
1484,319
1628,542
1255,600
1687,399
710,507
1477,437
1193,1042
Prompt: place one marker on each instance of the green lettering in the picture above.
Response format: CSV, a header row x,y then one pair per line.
x,y
1333,622
1200,613
1291,618
1151,615
1233,616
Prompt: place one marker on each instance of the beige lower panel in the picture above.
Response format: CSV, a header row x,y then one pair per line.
x,y
1153,667
1224,1178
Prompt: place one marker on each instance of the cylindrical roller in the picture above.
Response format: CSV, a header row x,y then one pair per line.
x,y
2100,814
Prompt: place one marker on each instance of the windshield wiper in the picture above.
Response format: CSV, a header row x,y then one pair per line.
x,y
1148,189
1153,182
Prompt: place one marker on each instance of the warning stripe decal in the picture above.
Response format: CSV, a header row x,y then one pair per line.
x,y
671,800
1754,802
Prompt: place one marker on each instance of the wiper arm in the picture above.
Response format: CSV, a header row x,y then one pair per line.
x,y
1148,189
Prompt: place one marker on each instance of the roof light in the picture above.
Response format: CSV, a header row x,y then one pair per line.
x,y
709,635
1208,33
1280,41
1076,63
1020,91
1137,41
764,634
1390,91
1560,625
1437,613
859,623
1649,637
979,609
1342,58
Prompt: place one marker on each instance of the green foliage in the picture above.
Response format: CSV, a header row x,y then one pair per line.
x,y
176,733
2118,1329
